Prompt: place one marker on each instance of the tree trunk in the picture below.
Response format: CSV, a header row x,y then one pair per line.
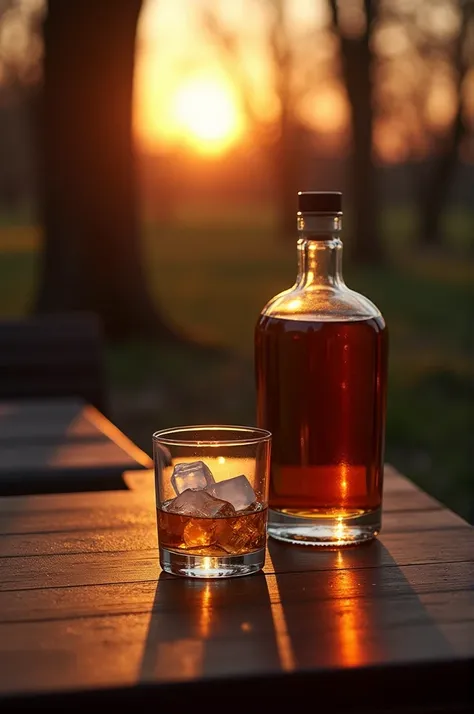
x,y
284,162
91,255
366,243
435,195
357,66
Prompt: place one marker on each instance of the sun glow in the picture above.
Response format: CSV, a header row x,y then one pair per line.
x,y
206,114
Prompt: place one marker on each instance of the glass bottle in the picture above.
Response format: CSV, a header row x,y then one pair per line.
x,y
321,371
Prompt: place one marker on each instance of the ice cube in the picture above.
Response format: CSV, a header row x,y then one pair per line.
x,y
196,533
240,535
191,475
237,491
199,504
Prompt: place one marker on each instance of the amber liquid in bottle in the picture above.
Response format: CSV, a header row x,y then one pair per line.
x,y
322,395
321,370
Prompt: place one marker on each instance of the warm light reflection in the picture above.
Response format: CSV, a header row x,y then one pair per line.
x,y
294,304
350,622
341,531
205,611
344,482
179,659
206,562
106,427
282,636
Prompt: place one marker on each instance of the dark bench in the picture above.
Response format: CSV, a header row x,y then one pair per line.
x,y
53,356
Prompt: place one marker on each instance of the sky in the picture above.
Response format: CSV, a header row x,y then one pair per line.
x,y
190,93
187,92
178,62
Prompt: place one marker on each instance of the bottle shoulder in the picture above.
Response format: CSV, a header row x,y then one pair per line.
x,y
322,303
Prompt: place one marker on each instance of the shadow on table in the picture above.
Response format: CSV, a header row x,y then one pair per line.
x,y
354,609
224,628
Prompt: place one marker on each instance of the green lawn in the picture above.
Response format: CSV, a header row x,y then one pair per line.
x,y
213,276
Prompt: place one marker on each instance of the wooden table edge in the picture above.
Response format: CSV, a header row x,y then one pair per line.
x,y
360,689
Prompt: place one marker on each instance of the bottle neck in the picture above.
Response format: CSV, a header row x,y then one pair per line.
x,y
319,251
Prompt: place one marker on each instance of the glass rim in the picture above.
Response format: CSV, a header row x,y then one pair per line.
x,y
250,435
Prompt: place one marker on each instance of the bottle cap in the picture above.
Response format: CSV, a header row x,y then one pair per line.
x,y
319,202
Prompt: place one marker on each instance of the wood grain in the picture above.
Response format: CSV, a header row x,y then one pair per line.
x,y
58,420
62,446
20,460
138,531
51,603
83,604
141,485
138,648
117,509
73,569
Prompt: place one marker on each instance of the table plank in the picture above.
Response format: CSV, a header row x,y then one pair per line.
x,y
79,568
18,461
51,603
26,537
139,648
141,484
83,605
118,509
62,445
34,421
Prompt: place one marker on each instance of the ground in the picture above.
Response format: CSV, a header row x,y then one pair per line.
x,y
213,275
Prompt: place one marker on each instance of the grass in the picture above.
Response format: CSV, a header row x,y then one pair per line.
x,y
213,275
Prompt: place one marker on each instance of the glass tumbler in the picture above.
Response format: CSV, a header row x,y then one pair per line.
x,y
211,486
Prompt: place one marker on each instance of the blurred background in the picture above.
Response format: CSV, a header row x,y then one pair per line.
x,y
150,155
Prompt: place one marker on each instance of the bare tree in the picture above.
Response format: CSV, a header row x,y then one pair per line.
x,y
278,139
435,191
357,61
20,54
91,255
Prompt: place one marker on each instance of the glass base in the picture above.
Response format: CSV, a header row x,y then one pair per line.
x,y
324,530
205,566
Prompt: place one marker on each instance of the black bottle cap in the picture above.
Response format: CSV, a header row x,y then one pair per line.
x,y
319,202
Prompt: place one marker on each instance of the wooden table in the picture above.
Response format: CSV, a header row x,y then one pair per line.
x,y
62,445
88,619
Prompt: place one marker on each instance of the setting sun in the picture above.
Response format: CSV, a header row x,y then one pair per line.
x,y
206,114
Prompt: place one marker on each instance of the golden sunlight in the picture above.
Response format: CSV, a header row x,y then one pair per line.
x,y
206,114
350,616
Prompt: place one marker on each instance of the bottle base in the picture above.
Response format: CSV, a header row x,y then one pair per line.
x,y
205,566
324,530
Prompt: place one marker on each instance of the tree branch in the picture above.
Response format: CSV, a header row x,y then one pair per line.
x,y
334,13
229,45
